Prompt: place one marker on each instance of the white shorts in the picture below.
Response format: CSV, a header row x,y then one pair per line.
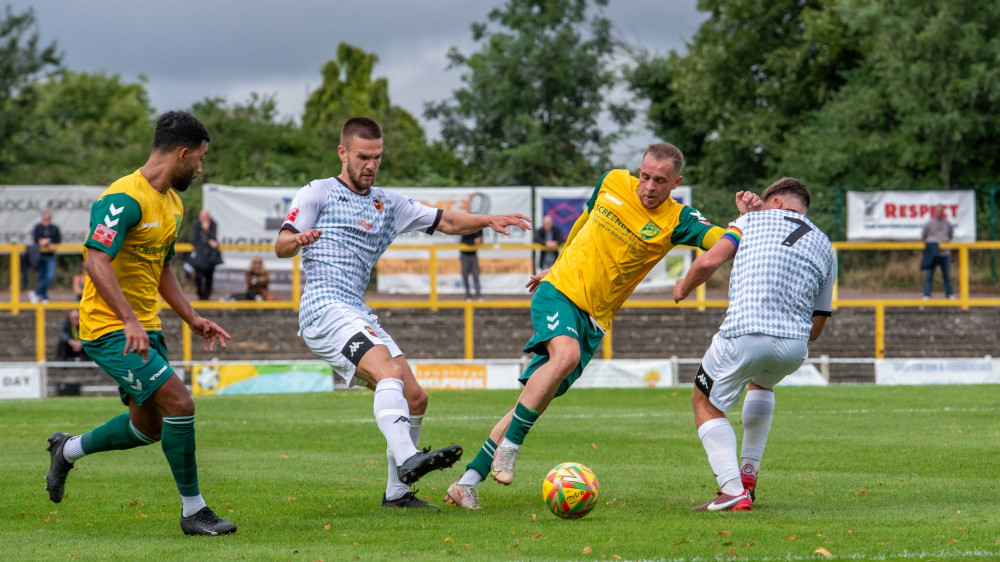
x,y
730,363
343,334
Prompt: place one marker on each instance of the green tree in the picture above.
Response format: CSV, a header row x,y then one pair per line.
x,y
749,78
533,92
252,145
21,60
922,109
87,128
348,90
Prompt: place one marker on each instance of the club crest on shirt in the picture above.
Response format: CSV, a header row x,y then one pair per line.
x,y
370,331
378,205
649,231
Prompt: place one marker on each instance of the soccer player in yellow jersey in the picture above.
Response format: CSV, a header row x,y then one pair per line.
x,y
629,225
133,226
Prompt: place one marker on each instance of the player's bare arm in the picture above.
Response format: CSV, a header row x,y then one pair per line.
x,y
170,290
702,269
454,222
98,267
288,242
819,322
748,201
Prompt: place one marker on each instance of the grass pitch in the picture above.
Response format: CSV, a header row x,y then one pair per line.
x,y
860,472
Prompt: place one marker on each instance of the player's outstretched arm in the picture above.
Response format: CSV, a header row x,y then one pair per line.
x,y
702,269
289,242
170,290
454,222
98,267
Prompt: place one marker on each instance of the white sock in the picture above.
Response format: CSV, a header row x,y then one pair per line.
x,y
395,489
758,410
73,449
192,505
392,415
719,440
470,478
508,443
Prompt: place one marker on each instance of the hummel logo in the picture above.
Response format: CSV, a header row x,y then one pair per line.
x,y
158,373
613,199
116,210
354,347
402,419
552,325
342,199
572,329
553,317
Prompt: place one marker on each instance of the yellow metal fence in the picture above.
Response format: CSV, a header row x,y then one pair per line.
x,y
15,305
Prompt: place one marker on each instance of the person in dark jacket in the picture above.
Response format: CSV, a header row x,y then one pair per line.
x,y
206,253
46,236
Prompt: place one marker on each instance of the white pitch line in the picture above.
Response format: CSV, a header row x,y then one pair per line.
x,y
778,414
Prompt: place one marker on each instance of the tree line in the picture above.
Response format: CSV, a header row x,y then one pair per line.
x,y
887,95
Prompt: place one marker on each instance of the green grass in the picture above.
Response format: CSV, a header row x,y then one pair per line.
x,y
863,472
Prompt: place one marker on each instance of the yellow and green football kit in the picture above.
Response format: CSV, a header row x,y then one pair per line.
x,y
611,248
137,226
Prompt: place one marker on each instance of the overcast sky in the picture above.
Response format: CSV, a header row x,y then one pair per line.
x,y
190,50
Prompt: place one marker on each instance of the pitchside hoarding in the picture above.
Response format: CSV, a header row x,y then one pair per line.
x,y
901,215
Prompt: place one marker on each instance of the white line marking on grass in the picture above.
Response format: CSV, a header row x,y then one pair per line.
x,y
905,555
684,413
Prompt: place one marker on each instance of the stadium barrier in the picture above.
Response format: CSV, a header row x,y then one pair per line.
x,y
434,302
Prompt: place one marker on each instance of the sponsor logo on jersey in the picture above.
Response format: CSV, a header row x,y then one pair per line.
x,y
149,224
105,235
614,199
699,217
292,215
649,231
365,224
378,205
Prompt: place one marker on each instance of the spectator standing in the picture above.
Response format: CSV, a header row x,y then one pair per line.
x,y
470,265
936,231
79,280
551,237
70,348
46,236
206,253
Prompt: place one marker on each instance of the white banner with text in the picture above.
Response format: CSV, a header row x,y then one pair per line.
x,y
901,215
21,380
980,370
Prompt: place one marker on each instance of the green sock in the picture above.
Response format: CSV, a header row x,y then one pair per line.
x,y
521,423
484,459
117,434
177,440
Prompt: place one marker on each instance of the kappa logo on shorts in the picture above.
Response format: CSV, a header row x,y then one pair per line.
x,y
703,382
356,347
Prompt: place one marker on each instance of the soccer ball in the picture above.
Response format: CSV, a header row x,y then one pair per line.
x,y
570,490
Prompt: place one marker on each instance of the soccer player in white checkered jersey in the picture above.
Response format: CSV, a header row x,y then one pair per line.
x,y
343,225
780,295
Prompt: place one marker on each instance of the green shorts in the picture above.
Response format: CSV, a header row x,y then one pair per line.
x,y
135,378
553,314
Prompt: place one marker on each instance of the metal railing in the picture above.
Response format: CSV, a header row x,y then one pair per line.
x,y
434,303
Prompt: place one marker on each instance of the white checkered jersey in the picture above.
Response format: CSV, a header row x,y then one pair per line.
x,y
783,275
356,230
